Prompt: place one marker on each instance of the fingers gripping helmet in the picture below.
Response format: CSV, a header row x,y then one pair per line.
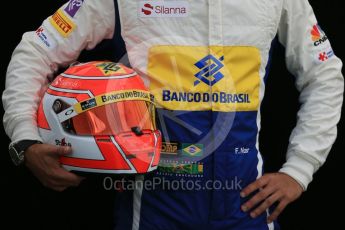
x,y
106,114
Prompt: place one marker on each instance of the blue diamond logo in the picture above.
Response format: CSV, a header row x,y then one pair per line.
x,y
210,68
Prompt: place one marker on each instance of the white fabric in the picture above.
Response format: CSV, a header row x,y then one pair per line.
x,y
33,62
321,87
321,84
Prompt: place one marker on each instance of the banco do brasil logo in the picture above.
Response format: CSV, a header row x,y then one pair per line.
x,y
209,73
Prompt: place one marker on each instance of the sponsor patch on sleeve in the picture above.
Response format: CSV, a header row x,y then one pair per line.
x,y
73,7
318,36
44,36
62,23
322,50
322,56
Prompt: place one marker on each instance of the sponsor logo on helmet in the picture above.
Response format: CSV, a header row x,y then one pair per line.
x,y
73,7
86,105
194,150
109,68
44,37
318,36
163,9
62,23
100,100
126,95
69,112
62,142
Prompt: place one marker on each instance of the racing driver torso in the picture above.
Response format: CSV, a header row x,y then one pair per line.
x,y
205,62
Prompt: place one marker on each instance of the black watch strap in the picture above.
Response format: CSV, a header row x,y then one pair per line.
x,y
24,144
17,150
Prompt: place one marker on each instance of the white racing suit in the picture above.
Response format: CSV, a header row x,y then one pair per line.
x,y
205,61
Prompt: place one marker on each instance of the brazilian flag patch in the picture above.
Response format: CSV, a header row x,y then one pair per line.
x,y
192,150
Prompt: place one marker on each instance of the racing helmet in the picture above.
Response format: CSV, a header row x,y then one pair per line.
x,y
104,112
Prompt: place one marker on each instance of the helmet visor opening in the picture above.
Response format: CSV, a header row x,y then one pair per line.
x,y
114,119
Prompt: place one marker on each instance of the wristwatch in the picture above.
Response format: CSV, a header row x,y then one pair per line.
x,y
17,150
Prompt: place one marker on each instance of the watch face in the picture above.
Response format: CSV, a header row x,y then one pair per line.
x,y
17,157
